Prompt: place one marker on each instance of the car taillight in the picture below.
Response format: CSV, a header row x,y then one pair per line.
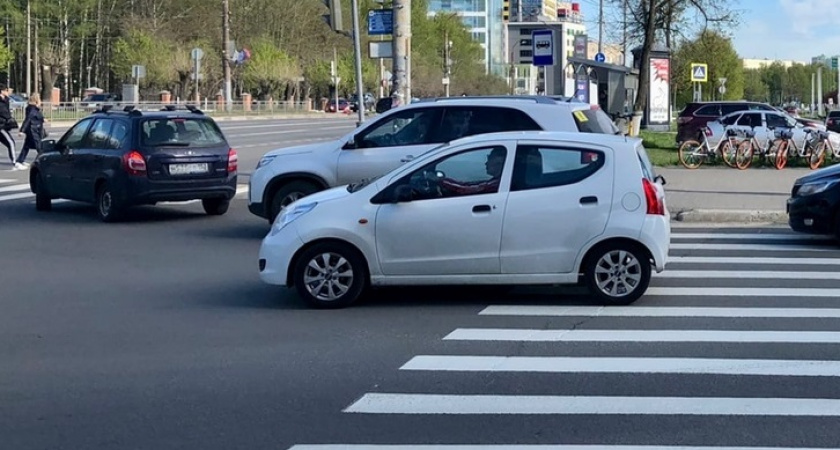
x,y
233,161
655,202
134,163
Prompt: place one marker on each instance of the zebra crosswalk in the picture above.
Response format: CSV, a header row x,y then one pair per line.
x,y
15,189
735,346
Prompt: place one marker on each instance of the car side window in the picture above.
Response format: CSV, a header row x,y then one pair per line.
x,y
74,138
408,127
537,167
99,134
465,121
472,172
750,120
731,120
776,121
119,135
729,109
708,110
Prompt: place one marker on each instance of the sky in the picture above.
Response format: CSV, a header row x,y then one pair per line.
x,y
772,29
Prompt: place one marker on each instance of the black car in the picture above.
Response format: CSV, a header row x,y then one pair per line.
x,y
814,203
117,159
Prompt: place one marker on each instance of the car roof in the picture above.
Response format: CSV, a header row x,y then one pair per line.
x,y
507,100
563,136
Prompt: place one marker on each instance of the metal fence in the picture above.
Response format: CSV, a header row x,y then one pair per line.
x,y
71,111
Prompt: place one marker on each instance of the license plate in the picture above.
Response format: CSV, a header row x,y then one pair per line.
x,y
188,169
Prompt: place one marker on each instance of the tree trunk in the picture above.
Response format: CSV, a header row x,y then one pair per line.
x,y
48,74
644,64
65,45
97,49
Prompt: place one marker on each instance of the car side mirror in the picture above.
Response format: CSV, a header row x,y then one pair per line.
x,y
351,144
48,146
661,180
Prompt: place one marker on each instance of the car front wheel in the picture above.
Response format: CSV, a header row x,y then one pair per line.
x,y
618,274
330,275
43,202
288,194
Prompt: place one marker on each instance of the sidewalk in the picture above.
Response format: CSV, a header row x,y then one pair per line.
x,y
729,195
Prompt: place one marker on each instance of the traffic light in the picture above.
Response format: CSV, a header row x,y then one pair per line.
x,y
506,10
333,19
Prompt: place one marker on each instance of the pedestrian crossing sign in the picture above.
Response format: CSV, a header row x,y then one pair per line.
x,y
699,73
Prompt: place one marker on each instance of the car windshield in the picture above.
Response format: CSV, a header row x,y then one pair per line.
x,y
181,132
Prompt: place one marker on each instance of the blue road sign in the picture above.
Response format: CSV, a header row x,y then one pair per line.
x,y
380,21
600,57
542,45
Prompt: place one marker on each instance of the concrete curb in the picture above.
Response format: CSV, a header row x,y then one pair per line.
x,y
730,216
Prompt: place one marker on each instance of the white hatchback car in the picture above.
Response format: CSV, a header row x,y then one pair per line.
x,y
394,138
514,208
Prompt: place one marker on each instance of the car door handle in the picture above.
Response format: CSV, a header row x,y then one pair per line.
x,y
588,200
481,208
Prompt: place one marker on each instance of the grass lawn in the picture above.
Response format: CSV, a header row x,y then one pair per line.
x,y
661,147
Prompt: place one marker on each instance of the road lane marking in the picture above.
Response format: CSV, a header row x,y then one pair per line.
x,y
731,336
752,260
694,366
752,247
749,274
659,311
751,236
387,403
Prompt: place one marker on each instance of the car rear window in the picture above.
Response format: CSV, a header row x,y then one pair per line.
x,y
594,120
835,113
181,131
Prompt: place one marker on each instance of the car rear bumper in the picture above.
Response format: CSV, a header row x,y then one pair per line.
x,y
656,236
144,190
812,214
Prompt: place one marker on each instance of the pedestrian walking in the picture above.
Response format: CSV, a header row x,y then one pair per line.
x,y
7,123
33,130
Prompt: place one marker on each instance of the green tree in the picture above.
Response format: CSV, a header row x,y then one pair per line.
x,y
270,69
754,88
724,64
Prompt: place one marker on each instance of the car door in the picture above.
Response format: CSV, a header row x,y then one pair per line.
x,y
392,141
560,199
89,158
453,223
59,173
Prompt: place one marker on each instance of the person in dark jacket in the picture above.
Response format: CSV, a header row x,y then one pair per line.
x,y
32,128
7,123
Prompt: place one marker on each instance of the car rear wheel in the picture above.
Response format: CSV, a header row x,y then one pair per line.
x,y
215,206
43,202
288,194
617,274
107,206
330,275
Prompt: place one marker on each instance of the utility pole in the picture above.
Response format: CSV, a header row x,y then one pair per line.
x,y
447,62
357,45
28,48
335,78
813,92
819,91
601,26
624,37
225,54
401,90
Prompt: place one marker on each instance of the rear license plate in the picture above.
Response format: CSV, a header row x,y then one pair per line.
x,y
188,169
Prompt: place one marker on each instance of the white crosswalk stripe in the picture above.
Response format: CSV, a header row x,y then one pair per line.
x,y
756,307
15,190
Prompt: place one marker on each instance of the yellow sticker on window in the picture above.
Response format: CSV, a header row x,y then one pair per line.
x,y
580,116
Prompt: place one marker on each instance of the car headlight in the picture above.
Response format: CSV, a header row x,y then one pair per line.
x,y
815,188
289,215
265,160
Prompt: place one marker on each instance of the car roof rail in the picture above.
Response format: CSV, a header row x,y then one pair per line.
x,y
190,108
103,109
534,98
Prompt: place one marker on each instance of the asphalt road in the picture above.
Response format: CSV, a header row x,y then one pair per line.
x,y
157,333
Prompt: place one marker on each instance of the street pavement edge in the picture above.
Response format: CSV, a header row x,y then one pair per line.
x,y
730,216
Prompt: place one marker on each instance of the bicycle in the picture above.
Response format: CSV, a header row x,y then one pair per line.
x,y
823,146
788,142
746,150
725,147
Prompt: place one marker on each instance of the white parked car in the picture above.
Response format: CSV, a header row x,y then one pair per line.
x,y
387,141
507,208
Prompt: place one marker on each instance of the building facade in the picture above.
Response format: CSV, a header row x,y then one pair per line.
x,y
483,19
832,62
751,64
